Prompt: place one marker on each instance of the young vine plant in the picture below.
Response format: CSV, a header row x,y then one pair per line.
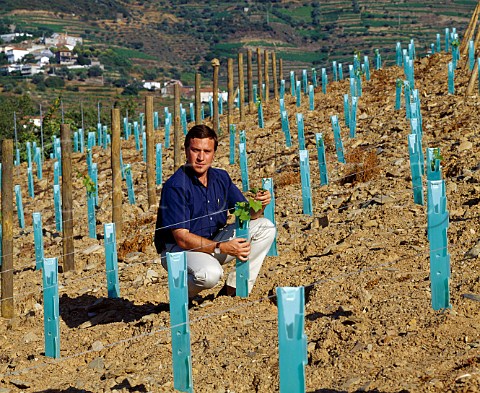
x,y
243,209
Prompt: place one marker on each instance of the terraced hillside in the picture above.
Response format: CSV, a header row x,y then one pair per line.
x,y
187,36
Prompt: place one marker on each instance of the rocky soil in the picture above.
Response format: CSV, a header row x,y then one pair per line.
x,y
363,257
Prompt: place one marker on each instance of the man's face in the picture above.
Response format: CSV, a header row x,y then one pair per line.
x,y
200,155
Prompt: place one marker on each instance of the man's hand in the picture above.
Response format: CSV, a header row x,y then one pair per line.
x,y
264,197
237,247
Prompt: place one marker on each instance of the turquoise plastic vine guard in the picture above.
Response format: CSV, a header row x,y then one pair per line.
x,y
155,119
305,181
322,162
346,109
286,129
438,43
281,102
292,83
298,94
353,118
233,134
260,115
111,260
340,71
17,157
158,162
192,112
39,162
314,78
366,63
437,215
282,89
122,167
81,137
338,139
183,117
335,71
75,142
91,140
398,55
56,173
292,340
144,146
99,134
242,148
30,182
447,39
324,80
94,176
415,169
168,125
51,310
451,78
29,154
129,180
269,212
301,132
242,268
305,81
92,228
398,96
311,97
179,321
125,128
38,240
353,90
18,199
136,134
255,93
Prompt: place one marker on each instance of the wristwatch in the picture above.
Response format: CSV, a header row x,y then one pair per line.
x,y
217,248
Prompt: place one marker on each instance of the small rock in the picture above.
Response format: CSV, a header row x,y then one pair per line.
x,y
5,390
30,337
92,249
97,346
472,296
465,145
97,364
383,199
20,384
152,275
474,252
85,325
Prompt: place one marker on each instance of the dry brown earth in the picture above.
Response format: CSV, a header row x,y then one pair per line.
x,y
363,256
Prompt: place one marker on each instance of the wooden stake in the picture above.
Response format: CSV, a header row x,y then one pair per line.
x,y
274,75
177,159
469,33
67,199
116,174
250,81
280,68
474,75
230,92
151,186
216,66
8,309
198,102
267,78
259,74
241,86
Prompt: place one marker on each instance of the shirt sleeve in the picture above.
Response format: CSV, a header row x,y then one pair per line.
x,y
175,211
234,195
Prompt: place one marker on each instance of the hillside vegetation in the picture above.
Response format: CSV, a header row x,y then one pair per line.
x,y
189,34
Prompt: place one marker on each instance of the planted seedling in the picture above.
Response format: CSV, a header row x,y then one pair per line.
x,y
436,156
88,183
243,209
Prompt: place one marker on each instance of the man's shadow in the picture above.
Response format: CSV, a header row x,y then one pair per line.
x,y
98,311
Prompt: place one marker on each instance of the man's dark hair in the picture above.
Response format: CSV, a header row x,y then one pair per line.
x,y
201,131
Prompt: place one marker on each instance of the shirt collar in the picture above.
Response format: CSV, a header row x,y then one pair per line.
x,y
191,174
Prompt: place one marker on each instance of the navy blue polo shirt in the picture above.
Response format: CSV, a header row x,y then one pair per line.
x,y
187,203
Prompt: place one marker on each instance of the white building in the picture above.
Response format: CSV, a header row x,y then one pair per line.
x,y
16,54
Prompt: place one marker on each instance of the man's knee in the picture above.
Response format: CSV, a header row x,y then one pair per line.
x,y
207,277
